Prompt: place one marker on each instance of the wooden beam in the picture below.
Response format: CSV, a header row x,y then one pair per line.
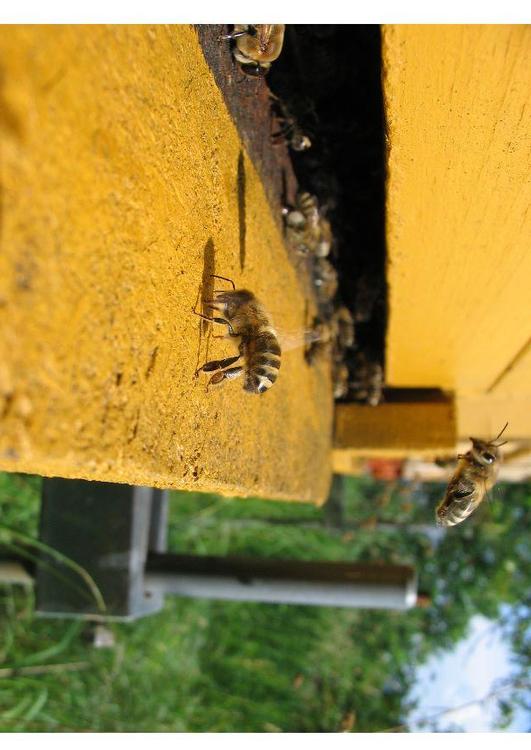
x,y
124,185
396,428
458,194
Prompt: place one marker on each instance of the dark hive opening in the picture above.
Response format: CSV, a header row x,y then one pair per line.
x,y
330,77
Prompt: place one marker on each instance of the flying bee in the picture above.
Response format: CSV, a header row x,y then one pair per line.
x,y
257,45
307,230
476,473
289,128
248,322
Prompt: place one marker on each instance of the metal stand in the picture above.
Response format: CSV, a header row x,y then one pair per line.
x,y
114,537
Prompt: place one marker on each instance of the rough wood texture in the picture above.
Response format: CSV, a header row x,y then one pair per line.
x,y
458,113
124,184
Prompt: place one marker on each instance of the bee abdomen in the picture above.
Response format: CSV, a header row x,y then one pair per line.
x,y
266,342
263,362
458,503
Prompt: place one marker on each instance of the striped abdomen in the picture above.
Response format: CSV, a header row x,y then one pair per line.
x,y
466,489
455,509
262,357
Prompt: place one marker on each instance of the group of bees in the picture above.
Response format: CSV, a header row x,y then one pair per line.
x,y
309,234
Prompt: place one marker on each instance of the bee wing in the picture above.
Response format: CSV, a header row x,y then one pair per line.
x,y
458,502
296,339
459,488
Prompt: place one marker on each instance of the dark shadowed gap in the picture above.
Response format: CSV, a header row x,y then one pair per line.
x,y
248,101
330,75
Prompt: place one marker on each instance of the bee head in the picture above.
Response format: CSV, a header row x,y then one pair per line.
x,y
256,70
233,302
484,453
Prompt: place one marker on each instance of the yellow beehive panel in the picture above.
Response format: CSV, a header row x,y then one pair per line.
x,y
120,195
457,102
516,378
484,416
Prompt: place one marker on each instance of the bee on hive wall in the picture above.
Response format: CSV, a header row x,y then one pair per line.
x,y
307,230
249,324
290,131
367,380
256,46
335,335
325,280
475,475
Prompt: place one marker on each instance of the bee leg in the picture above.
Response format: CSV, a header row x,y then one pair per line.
x,y
234,35
230,374
218,364
224,278
221,321
283,133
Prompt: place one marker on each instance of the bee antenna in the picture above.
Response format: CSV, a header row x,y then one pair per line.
x,y
499,434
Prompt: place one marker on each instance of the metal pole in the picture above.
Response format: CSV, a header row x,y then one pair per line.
x,y
333,584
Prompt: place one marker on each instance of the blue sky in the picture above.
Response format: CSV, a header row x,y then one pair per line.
x,y
465,674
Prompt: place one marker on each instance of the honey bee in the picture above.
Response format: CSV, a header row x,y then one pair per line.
x,y
325,280
307,230
335,334
368,380
257,46
476,473
248,322
289,128
346,333
340,378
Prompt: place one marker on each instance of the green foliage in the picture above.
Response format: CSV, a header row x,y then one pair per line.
x,y
20,501
230,666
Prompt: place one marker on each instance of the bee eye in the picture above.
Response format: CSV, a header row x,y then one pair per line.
x,y
488,457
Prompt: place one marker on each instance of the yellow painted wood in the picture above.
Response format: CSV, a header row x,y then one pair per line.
x,y
396,428
484,416
457,102
516,378
347,462
119,196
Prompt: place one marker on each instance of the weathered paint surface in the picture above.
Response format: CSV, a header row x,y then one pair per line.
x,y
124,184
458,113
